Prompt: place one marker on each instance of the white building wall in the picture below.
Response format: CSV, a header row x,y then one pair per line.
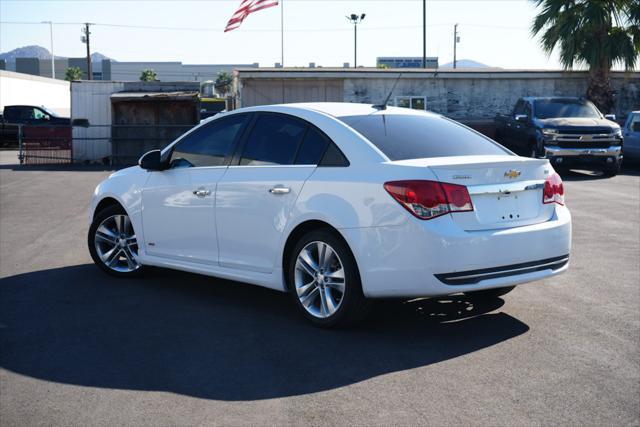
x,y
91,101
25,89
172,71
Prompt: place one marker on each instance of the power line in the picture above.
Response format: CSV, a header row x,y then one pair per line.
x,y
310,30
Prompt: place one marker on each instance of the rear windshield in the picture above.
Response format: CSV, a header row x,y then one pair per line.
x,y
404,136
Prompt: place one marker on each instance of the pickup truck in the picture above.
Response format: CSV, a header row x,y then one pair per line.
x,y
570,132
30,115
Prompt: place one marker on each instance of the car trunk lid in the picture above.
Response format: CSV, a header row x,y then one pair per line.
x,y
506,191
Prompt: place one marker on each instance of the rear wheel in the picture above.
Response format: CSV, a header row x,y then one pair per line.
x,y
490,293
324,281
113,244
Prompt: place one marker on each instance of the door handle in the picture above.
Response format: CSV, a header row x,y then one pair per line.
x,y
201,192
279,190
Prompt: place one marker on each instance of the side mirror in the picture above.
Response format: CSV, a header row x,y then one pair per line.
x,y
521,117
80,123
151,161
611,117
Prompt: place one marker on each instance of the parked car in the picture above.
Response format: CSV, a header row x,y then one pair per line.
x,y
632,136
15,115
570,132
336,203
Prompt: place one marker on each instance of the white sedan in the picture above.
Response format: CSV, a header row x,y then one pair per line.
x,y
336,204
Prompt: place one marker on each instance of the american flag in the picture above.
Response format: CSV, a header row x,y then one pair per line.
x,y
247,7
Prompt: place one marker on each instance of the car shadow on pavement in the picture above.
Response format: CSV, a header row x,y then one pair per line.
x,y
215,339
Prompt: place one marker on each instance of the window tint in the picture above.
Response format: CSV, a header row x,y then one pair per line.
x,y
553,108
274,140
312,148
209,145
415,136
520,108
333,157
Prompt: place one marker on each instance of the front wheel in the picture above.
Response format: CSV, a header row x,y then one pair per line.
x,y
612,170
324,281
113,244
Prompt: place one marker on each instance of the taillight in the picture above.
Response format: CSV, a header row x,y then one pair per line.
x,y
553,190
430,199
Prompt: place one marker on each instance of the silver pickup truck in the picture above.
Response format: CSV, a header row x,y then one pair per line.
x,y
570,132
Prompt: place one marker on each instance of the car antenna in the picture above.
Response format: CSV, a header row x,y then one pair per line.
x,y
383,106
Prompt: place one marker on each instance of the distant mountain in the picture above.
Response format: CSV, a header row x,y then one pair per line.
x,y
26,52
466,63
41,53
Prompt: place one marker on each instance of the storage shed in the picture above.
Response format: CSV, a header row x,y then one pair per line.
x,y
91,104
143,121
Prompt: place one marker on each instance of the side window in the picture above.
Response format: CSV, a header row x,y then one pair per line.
x,y
333,157
210,145
38,114
634,126
11,114
274,140
519,108
312,148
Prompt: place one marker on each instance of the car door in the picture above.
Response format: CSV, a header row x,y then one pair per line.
x,y
509,131
521,128
178,215
258,191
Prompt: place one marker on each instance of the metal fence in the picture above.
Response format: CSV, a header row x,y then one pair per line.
x,y
44,144
106,144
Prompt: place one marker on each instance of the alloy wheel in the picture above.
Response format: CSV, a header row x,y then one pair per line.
x,y
116,244
319,279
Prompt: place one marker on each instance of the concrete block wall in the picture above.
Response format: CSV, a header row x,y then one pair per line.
x,y
481,98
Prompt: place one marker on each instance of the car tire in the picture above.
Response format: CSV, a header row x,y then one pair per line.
x,y
112,243
612,170
490,293
324,281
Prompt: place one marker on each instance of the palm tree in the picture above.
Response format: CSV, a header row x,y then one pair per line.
x,y
596,33
223,82
148,75
73,74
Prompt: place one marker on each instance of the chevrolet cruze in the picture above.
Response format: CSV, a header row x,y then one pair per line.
x,y
336,204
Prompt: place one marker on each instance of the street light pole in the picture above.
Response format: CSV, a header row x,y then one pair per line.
x,y
455,43
53,57
424,33
355,20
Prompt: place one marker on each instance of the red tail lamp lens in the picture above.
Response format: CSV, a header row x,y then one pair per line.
x,y
430,199
553,190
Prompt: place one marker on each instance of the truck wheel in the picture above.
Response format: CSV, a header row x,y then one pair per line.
x,y
612,170
534,151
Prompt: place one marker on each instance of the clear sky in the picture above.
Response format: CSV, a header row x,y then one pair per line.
x,y
492,32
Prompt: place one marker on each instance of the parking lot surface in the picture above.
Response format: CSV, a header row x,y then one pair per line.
x,y
80,348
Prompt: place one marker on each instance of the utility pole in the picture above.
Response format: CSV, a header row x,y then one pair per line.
x,y
424,33
53,58
85,39
355,20
456,40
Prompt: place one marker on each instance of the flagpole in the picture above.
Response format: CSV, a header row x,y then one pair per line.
x,y
282,33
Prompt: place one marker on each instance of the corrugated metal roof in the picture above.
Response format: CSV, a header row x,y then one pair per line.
x,y
156,96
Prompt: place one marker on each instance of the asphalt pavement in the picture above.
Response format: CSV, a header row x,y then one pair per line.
x,y
80,348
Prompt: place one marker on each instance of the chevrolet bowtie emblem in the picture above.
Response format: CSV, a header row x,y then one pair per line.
x,y
512,173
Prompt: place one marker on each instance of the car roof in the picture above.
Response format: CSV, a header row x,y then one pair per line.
x,y
339,109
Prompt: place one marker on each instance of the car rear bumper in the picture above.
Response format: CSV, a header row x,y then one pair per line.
x,y
423,258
